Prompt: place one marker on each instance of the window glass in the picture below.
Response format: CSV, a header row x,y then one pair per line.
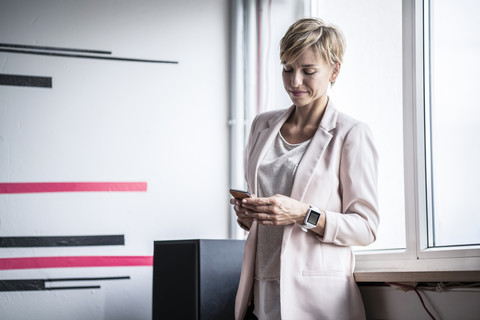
x,y
455,122
370,89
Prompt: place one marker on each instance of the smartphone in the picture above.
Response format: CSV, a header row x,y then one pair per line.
x,y
240,194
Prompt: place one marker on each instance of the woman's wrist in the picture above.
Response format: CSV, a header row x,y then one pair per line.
x,y
314,220
304,211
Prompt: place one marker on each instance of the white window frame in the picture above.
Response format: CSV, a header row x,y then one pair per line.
x,y
417,256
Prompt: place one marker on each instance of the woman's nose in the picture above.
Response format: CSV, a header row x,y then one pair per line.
x,y
296,79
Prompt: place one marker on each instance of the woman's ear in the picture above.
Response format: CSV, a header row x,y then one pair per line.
x,y
335,72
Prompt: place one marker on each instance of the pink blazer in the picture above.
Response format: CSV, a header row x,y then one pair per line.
x,y
338,173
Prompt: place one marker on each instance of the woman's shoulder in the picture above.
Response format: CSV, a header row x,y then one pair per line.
x,y
347,122
272,114
351,129
264,118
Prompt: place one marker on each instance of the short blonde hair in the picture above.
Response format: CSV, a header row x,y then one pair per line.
x,y
314,33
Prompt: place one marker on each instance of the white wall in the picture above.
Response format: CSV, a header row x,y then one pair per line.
x,y
112,121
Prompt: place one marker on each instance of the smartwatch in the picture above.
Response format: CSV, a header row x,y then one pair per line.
x,y
311,219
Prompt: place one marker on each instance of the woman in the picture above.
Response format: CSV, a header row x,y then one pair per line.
x,y
314,170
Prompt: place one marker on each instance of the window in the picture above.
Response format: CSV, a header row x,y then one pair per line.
x,y
453,117
409,73
370,89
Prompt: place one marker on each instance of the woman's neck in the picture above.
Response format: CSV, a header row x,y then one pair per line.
x,y
309,115
303,122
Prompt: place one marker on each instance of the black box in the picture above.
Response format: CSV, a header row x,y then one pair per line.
x,y
196,279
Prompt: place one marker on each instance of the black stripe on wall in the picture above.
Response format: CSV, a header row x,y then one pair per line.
x,y
25,81
73,288
86,279
24,46
22,285
83,56
40,284
62,241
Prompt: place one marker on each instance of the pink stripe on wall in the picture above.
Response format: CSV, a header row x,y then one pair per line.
x,y
75,262
36,187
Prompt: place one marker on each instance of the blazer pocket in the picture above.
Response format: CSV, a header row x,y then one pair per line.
x,y
324,273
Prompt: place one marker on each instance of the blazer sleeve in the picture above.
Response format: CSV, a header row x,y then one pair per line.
x,y
357,224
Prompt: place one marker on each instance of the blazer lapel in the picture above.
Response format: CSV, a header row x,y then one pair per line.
x,y
314,153
265,139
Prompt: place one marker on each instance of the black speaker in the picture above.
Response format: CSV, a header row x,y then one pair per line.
x,y
196,279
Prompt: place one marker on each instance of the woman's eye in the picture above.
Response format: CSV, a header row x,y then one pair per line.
x,y
287,70
309,72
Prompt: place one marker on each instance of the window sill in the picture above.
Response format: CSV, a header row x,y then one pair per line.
x,y
398,267
417,276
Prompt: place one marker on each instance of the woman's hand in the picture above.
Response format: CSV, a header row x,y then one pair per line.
x,y
243,220
276,210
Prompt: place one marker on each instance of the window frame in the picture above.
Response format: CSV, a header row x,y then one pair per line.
x,y
417,256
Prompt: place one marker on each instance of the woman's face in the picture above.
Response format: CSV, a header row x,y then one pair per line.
x,y
306,79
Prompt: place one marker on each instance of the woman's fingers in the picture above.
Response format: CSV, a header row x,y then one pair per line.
x,y
245,224
269,205
276,210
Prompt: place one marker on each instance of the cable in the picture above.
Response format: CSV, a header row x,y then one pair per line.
x,y
416,291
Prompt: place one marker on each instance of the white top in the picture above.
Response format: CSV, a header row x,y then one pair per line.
x,y
275,176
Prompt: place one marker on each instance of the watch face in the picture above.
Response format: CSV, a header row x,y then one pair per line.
x,y
313,218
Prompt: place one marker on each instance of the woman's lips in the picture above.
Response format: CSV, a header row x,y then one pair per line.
x,y
297,93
